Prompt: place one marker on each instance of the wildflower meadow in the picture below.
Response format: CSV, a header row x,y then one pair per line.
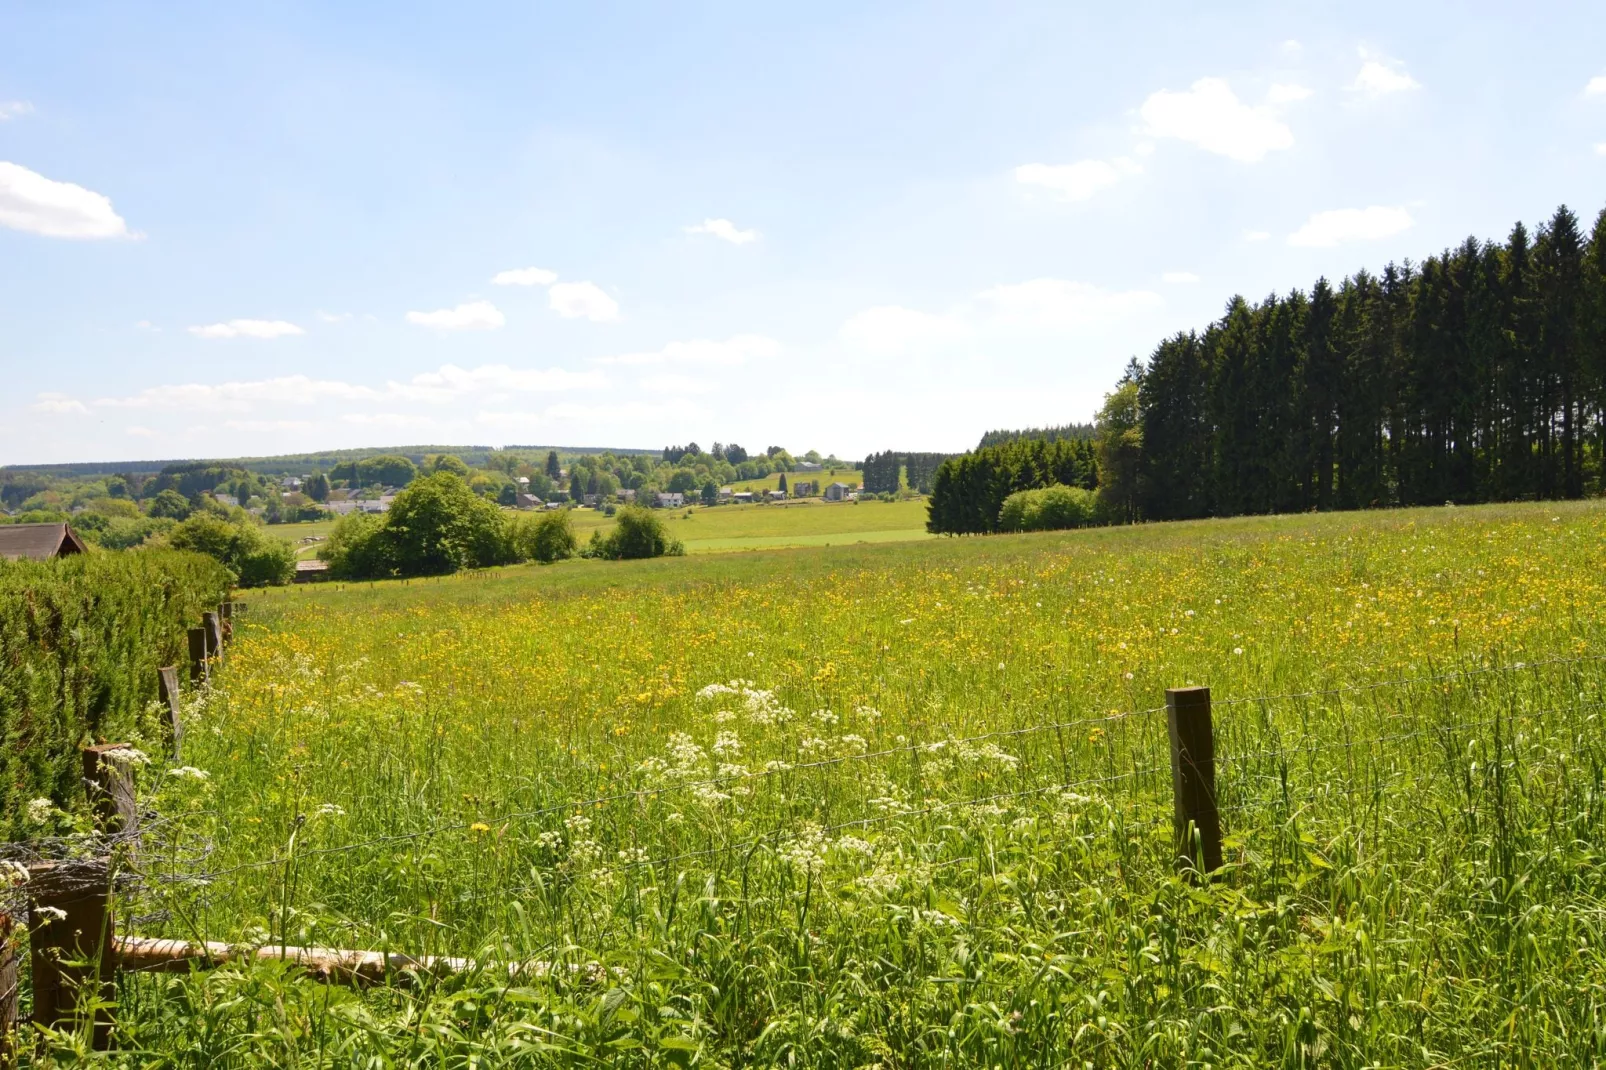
x,y
910,806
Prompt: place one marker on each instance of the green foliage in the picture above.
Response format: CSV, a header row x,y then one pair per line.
x,y
316,487
438,525
120,533
1048,509
357,548
638,534
1120,452
169,504
446,462
1047,434
81,638
254,558
545,537
387,469
968,491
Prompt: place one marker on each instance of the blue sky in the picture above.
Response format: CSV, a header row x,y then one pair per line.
x,y
845,227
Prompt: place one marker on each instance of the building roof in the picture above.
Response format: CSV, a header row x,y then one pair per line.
x,y
38,542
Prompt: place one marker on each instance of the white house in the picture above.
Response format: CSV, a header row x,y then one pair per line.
x,y
670,499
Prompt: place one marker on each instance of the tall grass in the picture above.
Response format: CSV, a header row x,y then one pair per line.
x,y
919,814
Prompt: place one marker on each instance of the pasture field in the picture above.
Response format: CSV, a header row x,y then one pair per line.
x,y
909,805
804,522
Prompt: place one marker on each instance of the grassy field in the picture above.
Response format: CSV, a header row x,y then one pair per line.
x,y
909,804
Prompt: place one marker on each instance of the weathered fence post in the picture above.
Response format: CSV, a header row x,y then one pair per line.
x,y
197,655
71,946
167,685
110,783
1193,778
10,982
212,622
226,611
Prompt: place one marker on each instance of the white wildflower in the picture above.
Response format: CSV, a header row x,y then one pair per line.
x,y
188,772
578,825
41,811
12,873
727,745
853,744
50,913
825,717
633,856
331,810
131,755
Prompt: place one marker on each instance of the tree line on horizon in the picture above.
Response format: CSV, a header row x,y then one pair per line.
x,y
1476,375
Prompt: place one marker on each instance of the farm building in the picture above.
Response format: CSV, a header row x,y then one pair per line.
x,y
38,542
805,488
837,492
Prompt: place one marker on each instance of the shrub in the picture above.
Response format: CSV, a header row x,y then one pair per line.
x,y
1048,509
80,641
639,534
546,537
255,559
438,525
357,548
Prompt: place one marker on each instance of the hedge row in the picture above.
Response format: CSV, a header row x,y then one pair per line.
x,y
81,639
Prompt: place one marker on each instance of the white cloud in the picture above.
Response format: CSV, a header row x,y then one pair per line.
x,y
240,395
574,300
894,331
1035,308
333,317
1288,93
1380,76
11,109
146,325
271,425
1291,48
1343,225
670,383
731,353
530,276
247,329
469,316
725,230
140,432
1212,117
38,205
1062,304
1076,181
1596,86
1178,277
453,382
58,403
1256,235
1600,150
387,419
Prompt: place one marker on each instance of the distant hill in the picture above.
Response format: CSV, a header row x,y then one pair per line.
x,y
299,463
1070,433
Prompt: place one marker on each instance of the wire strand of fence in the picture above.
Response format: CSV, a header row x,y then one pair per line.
x,y
927,747
1406,681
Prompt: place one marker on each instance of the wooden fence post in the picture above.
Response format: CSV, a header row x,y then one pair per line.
x,y
226,611
197,656
10,981
110,781
167,685
212,622
1193,778
72,953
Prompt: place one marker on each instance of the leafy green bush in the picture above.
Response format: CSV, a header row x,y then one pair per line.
x,y
639,534
357,548
1048,509
438,525
546,537
81,638
255,559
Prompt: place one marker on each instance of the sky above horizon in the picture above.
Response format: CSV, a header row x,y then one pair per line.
x,y
231,231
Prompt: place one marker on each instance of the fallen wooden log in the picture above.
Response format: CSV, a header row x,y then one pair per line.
x,y
328,964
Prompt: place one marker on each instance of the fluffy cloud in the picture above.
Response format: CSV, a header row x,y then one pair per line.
x,y
670,383
1211,116
1379,77
247,329
1596,86
1037,307
240,395
57,403
11,109
1287,93
702,352
577,300
334,317
1076,181
29,201
470,316
530,276
1600,149
453,382
1343,225
725,230
895,331
1178,277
